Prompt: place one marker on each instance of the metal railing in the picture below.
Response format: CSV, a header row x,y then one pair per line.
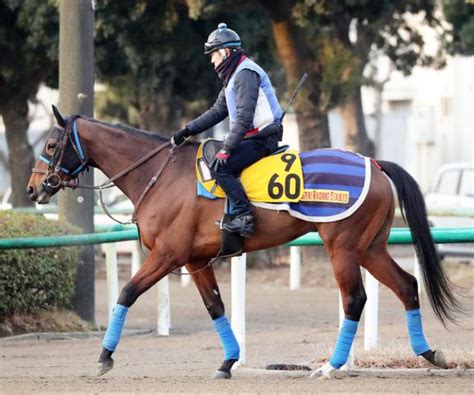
x,y
124,233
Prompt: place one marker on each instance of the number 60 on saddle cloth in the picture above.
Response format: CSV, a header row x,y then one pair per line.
x,y
274,179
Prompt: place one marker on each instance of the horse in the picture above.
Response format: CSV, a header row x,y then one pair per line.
x,y
179,229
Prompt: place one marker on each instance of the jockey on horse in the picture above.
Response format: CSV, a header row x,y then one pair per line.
x,y
248,98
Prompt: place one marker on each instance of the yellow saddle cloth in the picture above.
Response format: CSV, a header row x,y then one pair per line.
x,y
274,179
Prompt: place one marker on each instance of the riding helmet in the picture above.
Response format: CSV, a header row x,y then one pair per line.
x,y
221,38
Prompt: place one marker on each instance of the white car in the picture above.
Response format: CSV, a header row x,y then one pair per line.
x,y
451,203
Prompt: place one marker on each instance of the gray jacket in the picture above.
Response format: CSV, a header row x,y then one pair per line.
x,y
247,84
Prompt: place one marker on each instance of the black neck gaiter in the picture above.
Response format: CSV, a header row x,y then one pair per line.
x,y
228,66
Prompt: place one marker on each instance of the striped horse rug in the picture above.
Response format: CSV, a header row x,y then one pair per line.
x,y
336,183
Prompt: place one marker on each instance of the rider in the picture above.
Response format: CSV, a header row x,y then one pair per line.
x,y
249,100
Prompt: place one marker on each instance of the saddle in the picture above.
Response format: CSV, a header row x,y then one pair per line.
x,y
209,150
211,147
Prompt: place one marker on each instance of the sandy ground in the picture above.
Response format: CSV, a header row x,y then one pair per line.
x,y
283,326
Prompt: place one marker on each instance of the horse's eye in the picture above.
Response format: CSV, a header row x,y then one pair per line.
x,y
51,147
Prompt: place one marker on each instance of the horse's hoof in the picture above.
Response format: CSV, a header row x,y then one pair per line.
x,y
219,374
317,374
325,372
104,367
439,360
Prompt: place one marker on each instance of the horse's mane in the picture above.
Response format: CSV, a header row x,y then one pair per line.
x,y
130,129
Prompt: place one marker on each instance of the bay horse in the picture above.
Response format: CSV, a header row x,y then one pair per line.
x,y
179,228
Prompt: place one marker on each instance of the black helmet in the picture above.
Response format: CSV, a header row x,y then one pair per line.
x,y
222,38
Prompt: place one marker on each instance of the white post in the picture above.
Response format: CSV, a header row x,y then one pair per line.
x,y
238,271
371,312
112,275
185,277
350,361
164,318
417,274
136,261
295,267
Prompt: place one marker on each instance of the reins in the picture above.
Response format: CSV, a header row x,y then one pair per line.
x,y
110,182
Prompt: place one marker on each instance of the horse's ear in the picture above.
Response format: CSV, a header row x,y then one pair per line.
x,y
59,118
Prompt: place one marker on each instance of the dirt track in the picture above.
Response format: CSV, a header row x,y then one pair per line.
x,y
283,326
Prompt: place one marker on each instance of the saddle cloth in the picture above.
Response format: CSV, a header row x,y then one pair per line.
x,y
335,184
277,178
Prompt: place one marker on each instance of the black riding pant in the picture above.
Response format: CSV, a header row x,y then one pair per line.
x,y
247,152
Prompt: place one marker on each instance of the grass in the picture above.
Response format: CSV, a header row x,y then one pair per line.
x,y
58,320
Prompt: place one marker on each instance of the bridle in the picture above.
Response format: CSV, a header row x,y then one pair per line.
x,y
53,180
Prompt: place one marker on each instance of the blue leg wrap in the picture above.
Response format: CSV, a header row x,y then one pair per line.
x,y
114,331
344,343
415,330
228,340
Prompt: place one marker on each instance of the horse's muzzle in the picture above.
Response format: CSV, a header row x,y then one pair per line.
x,y
41,197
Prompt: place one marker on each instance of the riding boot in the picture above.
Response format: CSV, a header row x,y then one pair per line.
x,y
243,224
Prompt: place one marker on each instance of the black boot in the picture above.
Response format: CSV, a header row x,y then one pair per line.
x,y
243,224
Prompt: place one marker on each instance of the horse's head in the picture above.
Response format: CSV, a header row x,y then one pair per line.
x,y
60,162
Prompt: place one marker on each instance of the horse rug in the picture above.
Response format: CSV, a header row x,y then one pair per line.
x,y
323,185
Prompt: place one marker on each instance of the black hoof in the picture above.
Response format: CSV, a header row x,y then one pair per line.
x,y
104,367
224,371
437,358
219,374
105,362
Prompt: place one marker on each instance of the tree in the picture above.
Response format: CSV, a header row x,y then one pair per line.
x,y
390,27
299,54
144,55
460,37
292,49
150,55
29,48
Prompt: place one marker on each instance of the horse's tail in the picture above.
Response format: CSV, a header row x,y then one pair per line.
x,y
413,209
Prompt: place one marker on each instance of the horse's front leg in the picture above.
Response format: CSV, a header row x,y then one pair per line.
x,y
156,266
206,283
347,271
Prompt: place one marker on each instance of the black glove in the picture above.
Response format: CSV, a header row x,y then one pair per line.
x,y
179,137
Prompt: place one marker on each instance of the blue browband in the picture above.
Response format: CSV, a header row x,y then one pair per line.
x,y
77,141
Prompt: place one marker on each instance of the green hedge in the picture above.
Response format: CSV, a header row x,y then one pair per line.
x,y
32,280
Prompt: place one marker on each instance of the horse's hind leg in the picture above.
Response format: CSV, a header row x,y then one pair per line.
x,y
205,281
155,267
381,265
